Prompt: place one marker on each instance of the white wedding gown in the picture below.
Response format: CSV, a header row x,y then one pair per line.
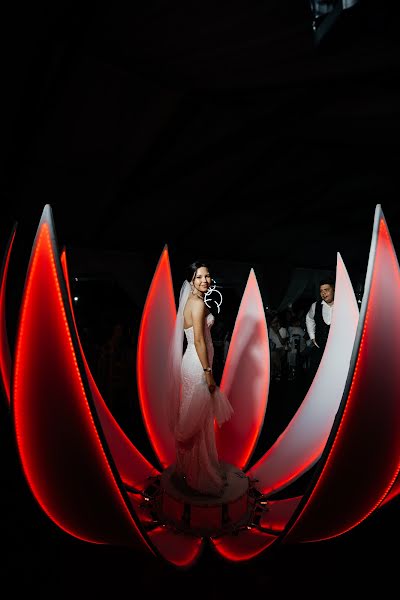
x,y
197,458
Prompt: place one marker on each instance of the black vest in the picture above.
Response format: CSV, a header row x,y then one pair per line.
x,y
321,328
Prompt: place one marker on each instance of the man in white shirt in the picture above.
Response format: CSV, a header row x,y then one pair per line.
x,y
318,321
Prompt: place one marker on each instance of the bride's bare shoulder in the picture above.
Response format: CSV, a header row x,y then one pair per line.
x,y
197,305
194,303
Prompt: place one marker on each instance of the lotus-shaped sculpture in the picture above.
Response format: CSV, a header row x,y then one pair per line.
x,y
91,480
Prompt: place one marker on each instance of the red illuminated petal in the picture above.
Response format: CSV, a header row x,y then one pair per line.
x,y
361,461
278,514
133,468
245,545
393,493
182,551
179,549
302,443
64,458
245,379
5,355
155,334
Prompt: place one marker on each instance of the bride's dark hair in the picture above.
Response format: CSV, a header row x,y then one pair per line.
x,y
192,269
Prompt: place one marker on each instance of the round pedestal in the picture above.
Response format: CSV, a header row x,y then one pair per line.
x,y
200,514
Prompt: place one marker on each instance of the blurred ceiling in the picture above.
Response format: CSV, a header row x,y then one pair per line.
x,y
220,129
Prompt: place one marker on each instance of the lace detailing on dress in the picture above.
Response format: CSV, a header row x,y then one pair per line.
x,y
197,457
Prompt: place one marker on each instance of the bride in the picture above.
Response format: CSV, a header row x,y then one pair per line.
x,y
196,402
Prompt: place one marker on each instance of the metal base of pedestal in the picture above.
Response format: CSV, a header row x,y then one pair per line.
x,y
199,514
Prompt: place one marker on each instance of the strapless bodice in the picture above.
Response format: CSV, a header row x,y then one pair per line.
x,y
209,322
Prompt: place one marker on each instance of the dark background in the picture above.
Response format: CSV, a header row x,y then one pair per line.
x,y
225,132
222,131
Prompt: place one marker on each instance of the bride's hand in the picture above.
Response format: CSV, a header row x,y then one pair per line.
x,y
210,382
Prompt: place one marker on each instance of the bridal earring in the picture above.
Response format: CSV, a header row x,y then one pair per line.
x,y
213,289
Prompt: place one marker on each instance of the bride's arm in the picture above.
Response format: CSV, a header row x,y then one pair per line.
x,y
198,319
